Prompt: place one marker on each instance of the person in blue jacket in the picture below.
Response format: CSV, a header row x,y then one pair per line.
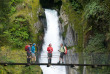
x,y
33,52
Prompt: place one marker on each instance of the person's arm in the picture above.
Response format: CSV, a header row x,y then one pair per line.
x,y
52,49
34,49
59,49
47,49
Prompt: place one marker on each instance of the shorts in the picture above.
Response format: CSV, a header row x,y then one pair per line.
x,y
50,55
62,54
33,55
28,54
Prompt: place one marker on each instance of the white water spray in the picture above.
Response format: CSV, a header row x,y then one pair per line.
x,y
52,36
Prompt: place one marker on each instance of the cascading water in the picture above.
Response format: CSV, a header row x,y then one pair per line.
x,y
52,36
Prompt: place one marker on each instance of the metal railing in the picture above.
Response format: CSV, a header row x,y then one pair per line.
x,y
92,59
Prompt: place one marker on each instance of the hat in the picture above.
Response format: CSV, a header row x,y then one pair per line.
x,y
50,44
34,44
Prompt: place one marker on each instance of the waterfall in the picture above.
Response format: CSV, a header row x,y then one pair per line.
x,y
52,36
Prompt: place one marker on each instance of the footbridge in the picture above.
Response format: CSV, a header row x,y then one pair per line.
x,y
75,59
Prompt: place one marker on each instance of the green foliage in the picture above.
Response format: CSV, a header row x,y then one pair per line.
x,y
98,70
91,23
18,32
13,9
65,31
16,29
16,1
17,26
32,70
93,8
96,44
69,47
97,16
61,20
76,5
4,10
1,71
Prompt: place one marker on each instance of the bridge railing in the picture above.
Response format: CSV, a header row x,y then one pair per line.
x,y
75,58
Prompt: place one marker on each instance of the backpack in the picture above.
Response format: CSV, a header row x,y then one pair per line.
x,y
65,50
26,47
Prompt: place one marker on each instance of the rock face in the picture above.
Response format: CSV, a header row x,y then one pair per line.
x,y
70,37
64,17
43,21
38,26
71,58
70,40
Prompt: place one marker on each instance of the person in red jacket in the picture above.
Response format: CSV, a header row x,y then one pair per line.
x,y
50,50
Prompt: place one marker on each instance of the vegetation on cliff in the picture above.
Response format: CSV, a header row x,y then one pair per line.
x,y
90,19
17,19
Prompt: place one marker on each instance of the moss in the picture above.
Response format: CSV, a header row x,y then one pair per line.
x,y
65,31
61,20
32,70
64,1
69,47
35,6
30,13
75,20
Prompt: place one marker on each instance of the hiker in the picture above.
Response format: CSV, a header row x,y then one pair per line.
x,y
50,50
33,53
62,53
28,49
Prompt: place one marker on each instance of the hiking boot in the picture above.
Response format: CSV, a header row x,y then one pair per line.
x,y
48,65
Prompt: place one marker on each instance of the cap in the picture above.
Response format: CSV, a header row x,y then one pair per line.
x,y
34,44
50,44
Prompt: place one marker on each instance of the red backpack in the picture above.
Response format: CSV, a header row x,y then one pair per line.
x,y
26,47
65,50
